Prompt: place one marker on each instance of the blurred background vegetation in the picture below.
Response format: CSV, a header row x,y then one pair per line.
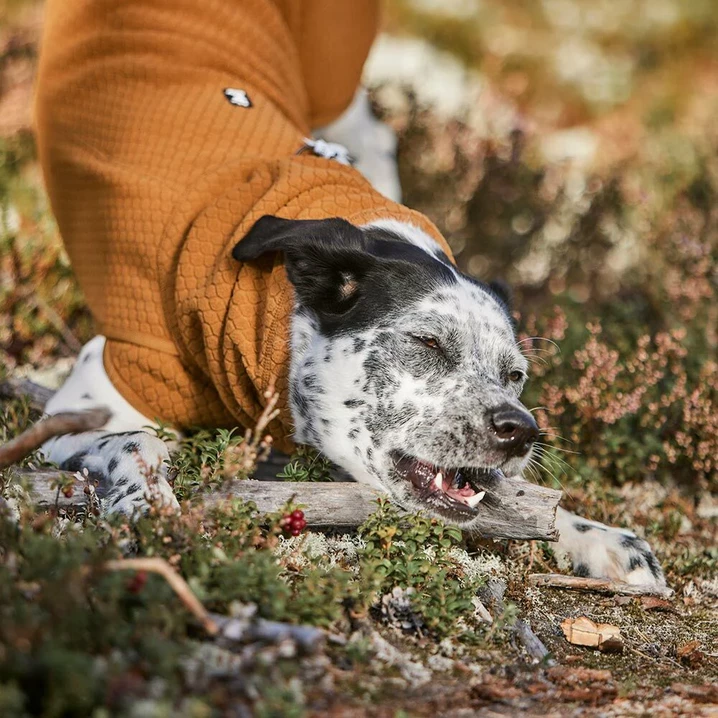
x,y
565,146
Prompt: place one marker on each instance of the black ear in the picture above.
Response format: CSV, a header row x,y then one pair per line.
x,y
326,260
503,293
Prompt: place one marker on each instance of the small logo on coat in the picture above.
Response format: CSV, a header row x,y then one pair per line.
x,y
238,98
329,150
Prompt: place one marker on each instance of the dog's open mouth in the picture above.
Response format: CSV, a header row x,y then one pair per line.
x,y
453,493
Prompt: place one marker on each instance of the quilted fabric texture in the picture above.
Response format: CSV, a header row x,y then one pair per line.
x,y
154,175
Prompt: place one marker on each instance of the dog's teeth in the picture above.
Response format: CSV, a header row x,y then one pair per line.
x,y
439,481
473,501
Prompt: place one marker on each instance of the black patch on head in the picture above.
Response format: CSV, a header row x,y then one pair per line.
x,y
582,528
501,291
359,345
635,563
112,465
582,570
130,447
386,274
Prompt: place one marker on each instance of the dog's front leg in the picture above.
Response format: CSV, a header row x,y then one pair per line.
x,y
129,468
601,551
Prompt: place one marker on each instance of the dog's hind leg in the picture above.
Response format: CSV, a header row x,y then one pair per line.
x,y
371,142
128,464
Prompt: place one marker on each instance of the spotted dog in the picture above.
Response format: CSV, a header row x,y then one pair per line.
x,y
404,372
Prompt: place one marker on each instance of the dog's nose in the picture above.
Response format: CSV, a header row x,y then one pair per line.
x,y
514,429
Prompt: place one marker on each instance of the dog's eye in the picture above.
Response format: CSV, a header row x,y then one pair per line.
x,y
516,376
429,342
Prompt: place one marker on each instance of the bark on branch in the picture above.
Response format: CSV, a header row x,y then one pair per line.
x,y
521,510
69,422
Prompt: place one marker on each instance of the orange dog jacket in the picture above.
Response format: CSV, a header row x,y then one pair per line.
x,y
165,130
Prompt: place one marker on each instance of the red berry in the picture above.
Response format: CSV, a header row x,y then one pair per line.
x,y
296,532
137,582
297,514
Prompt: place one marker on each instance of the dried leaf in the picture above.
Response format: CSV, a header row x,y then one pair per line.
x,y
691,654
583,631
653,603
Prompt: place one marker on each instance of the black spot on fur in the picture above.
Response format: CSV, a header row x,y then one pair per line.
x,y
74,462
85,396
635,563
582,570
130,447
353,434
359,345
122,482
87,358
103,443
354,403
582,528
112,465
630,542
652,564
133,489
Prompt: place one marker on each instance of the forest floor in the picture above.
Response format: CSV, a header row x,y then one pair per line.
x,y
570,151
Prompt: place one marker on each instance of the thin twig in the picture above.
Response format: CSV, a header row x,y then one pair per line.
x,y
69,422
175,581
493,593
597,585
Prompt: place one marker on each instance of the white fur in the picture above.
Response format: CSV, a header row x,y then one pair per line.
x,y
371,143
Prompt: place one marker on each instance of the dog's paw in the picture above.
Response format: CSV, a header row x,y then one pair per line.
x,y
599,551
619,555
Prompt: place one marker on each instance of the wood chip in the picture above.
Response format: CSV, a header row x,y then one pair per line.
x,y
583,631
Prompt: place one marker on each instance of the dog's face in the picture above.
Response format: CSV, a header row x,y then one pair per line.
x,y
404,371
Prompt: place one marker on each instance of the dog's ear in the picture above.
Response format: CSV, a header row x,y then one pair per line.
x,y
326,260
502,291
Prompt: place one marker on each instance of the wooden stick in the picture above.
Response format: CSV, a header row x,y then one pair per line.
x,y
493,593
522,510
175,581
597,585
68,422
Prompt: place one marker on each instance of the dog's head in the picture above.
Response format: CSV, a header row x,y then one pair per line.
x,y
404,371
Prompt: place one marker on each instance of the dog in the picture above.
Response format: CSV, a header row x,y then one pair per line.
x,y
402,370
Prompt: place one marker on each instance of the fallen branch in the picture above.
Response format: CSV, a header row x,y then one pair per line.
x,y
521,510
175,581
244,629
69,422
493,593
37,394
597,585
249,630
